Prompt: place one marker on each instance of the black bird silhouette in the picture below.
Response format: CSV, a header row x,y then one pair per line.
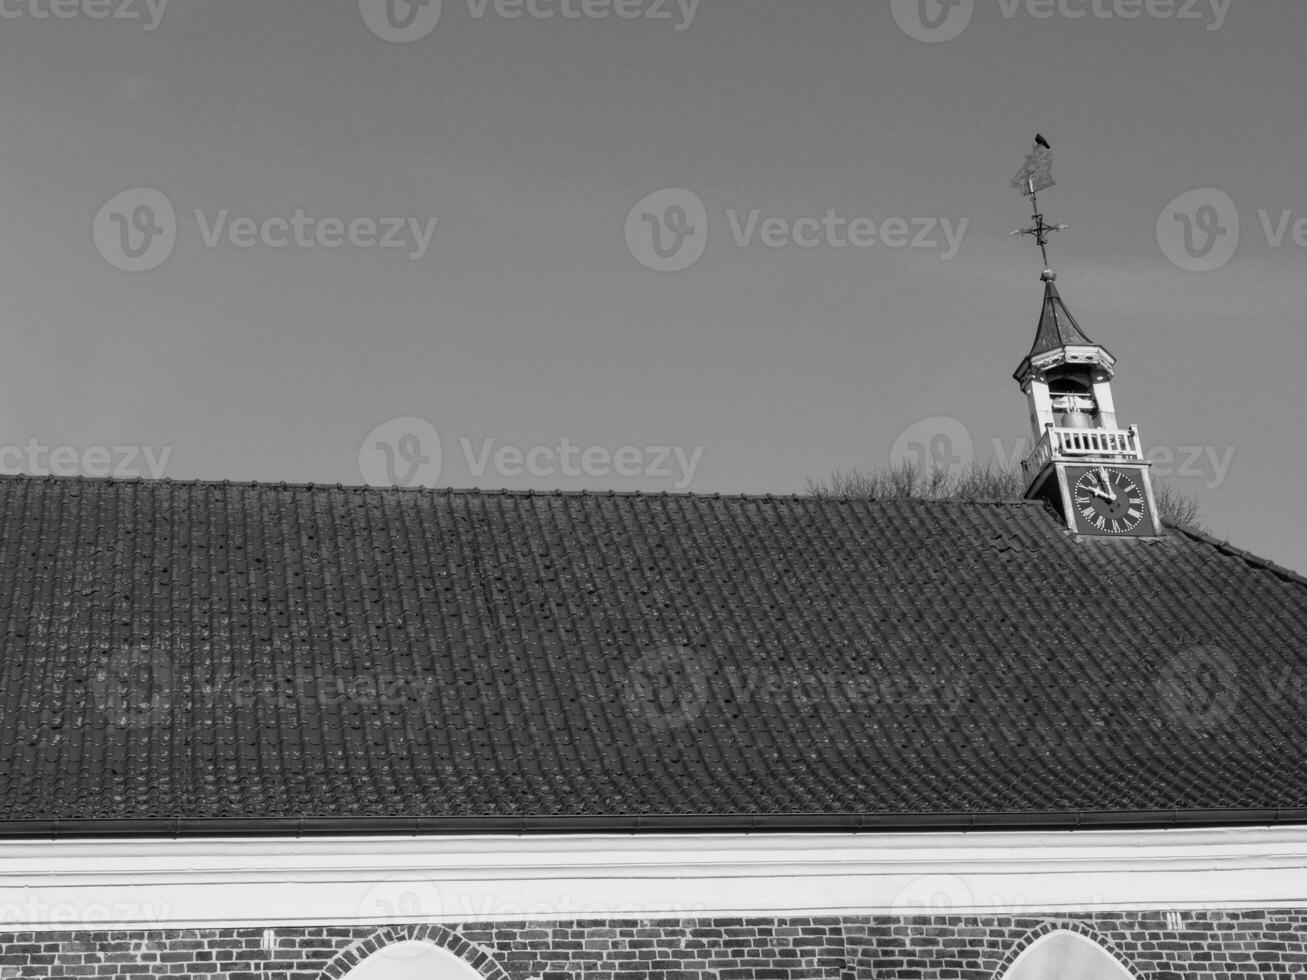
x,y
1042,142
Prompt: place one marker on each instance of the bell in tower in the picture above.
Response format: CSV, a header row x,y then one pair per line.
x,y
1091,470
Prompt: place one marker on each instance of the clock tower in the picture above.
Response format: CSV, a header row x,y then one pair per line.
x,y
1090,469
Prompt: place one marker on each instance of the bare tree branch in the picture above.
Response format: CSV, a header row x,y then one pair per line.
x,y
907,481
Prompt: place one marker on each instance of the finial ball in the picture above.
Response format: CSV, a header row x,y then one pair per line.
x,y
1048,275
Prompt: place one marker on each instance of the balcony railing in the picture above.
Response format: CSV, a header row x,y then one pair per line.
x,y
1083,443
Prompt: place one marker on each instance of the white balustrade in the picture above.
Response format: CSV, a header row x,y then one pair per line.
x,y
1061,443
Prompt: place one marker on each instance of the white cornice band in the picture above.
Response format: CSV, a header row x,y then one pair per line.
x,y
286,882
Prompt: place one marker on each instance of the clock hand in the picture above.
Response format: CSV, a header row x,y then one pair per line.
x,y
1094,489
1107,484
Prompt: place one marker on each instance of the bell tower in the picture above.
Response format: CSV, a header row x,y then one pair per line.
x,y
1090,469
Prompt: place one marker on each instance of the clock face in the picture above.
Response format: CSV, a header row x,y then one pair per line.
x,y
1109,501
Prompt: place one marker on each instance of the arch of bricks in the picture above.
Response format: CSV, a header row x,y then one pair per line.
x,y
1049,928
470,953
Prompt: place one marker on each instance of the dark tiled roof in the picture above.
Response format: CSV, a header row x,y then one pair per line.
x,y
204,651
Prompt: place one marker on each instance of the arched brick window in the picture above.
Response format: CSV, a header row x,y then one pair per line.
x,y
412,960
413,953
1066,953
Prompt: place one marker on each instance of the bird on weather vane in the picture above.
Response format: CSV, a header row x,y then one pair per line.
x,y
1036,175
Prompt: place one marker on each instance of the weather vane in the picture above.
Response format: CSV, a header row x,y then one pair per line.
x,y
1035,176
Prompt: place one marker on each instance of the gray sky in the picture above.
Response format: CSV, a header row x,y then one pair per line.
x,y
526,320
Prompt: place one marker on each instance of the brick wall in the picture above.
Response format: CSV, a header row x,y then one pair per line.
x,y
1152,946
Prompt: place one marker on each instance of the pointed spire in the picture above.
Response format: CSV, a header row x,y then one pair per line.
x,y
1057,330
1057,327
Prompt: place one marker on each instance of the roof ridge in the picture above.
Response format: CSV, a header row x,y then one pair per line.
x,y
488,492
1226,548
